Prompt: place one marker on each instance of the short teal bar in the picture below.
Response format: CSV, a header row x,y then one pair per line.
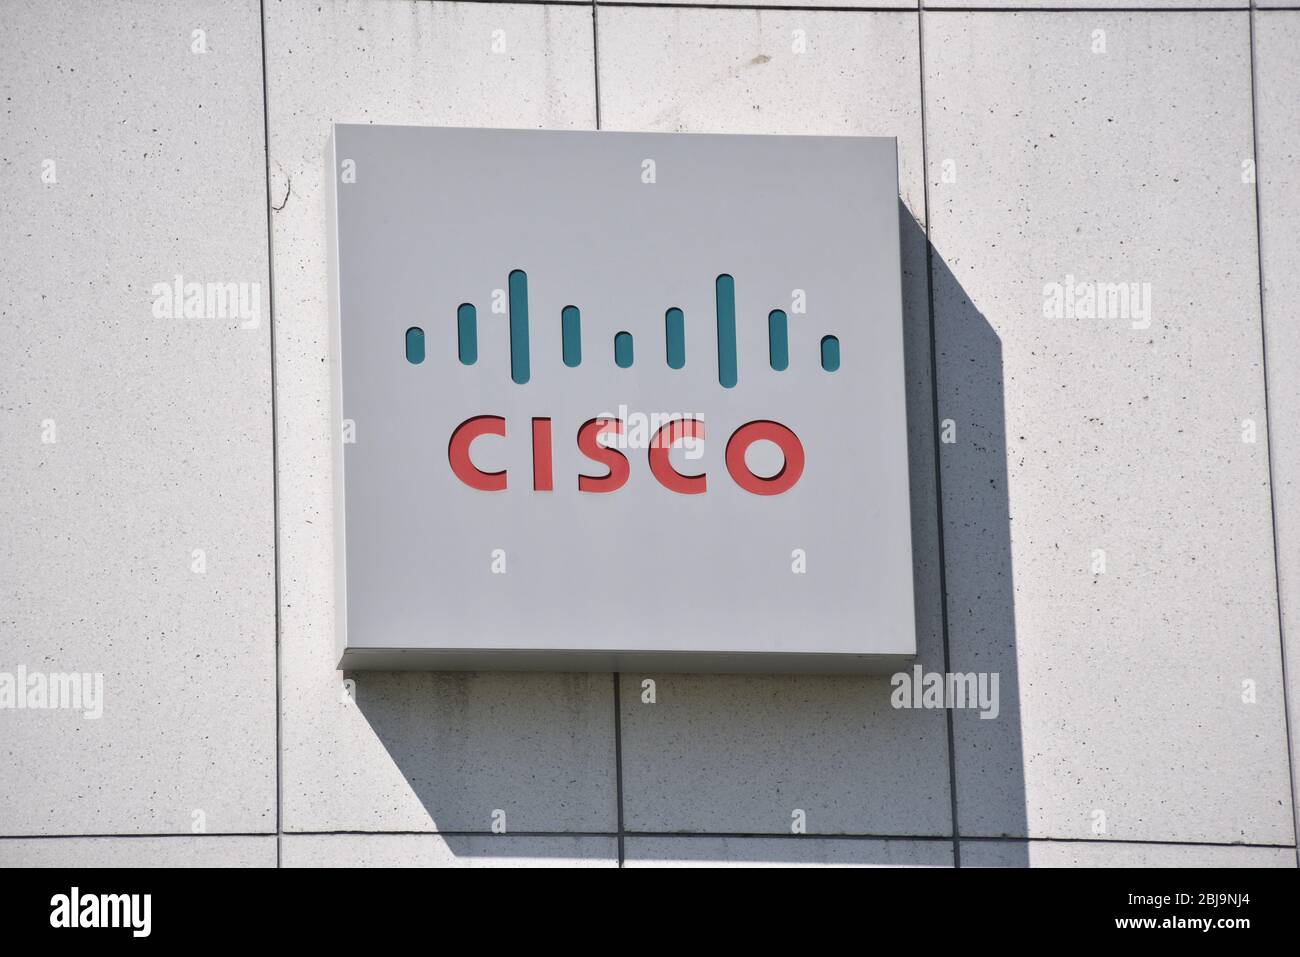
x,y
571,336
467,334
675,337
415,345
830,353
778,344
623,350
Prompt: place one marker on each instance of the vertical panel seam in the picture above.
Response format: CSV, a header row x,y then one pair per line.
x,y
1268,420
934,423
275,463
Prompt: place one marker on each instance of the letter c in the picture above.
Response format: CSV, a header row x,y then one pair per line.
x,y
664,439
458,452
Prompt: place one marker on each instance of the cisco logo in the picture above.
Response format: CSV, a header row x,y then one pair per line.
x,y
520,326
593,436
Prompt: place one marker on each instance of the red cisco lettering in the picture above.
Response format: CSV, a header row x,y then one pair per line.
x,y
616,463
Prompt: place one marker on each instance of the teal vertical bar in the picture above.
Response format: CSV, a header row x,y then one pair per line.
x,y
675,337
415,345
778,345
830,353
571,335
467,334
519,326
623,350
726,293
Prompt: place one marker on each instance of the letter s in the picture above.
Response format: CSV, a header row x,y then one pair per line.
x,y
612,459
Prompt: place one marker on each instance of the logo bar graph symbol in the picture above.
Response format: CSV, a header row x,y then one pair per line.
x,y
778,337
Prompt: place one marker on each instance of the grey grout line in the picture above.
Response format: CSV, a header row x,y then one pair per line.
x,y
934,422
652,835
868,8
753,835
1268,420
986,838
647,5
275,451
1136,8
453,833
784,836
267,835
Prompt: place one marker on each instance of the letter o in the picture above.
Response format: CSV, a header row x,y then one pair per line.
x,y
786,440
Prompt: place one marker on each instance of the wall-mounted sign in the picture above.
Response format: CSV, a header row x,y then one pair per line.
x,y
618,400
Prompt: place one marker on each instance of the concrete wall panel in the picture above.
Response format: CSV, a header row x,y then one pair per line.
x,y
136,482
1106,503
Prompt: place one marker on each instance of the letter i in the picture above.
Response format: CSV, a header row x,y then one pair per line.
x,y
543,474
